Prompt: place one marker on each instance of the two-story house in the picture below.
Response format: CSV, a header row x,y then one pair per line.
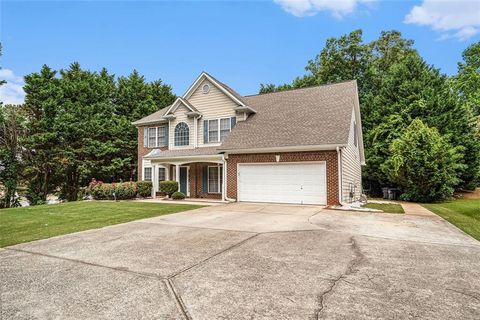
x,y
298,146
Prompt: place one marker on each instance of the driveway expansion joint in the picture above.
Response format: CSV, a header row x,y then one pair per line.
x,y
120,269
178,299
173,275
350,269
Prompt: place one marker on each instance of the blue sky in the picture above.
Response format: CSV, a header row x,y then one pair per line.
x,y
241,43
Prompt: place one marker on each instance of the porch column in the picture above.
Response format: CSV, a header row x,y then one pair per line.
x,y
224,178
154,180
177,174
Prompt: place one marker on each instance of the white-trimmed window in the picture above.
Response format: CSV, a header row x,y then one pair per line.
x,y
152,137
215,179
182,134
147,174
161,175
156,137
213,130
218,129
224,128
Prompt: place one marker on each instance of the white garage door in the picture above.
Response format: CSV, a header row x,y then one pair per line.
x,y
283,183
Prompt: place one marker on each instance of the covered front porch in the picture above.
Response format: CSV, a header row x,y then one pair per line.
x,y
198,176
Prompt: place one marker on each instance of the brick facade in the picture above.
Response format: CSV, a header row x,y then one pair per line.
x,y
142,151
330,157
196,181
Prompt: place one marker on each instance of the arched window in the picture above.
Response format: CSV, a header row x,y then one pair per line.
x,y
182,134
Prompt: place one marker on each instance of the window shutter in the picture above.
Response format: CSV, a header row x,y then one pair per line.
x,y
205,179
205,131
145,137
233,122
165,136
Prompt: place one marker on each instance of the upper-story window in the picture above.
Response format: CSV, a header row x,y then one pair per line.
x,y
218,129
182,134
157,136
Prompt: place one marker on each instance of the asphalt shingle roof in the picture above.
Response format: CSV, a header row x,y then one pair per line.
x,y
310,116
301,117
151,118
159,154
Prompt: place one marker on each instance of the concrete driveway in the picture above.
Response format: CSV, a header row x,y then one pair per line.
x,y
248,261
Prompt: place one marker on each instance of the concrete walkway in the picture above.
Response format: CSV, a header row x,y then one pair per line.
x,y
415,209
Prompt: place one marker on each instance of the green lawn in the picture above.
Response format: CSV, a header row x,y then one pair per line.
x,y
19,225
465,214
385,207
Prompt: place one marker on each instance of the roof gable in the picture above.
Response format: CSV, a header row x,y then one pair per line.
x,y
179,102
229,92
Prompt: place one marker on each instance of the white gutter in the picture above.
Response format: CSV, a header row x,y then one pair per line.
x,y
340,187
285,149
142,124
225,181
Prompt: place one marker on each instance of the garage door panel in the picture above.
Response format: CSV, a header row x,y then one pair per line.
x,y
283,183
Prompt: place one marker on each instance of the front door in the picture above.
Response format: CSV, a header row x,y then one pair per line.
x,y
183,179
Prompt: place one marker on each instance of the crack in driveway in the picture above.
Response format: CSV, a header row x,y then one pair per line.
x,y
350,269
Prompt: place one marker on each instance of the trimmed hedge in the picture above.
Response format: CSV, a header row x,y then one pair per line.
x,y
178,195
144,189
168,187
119,191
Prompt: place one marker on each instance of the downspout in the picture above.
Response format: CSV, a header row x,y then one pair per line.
x,y
340,190
225,197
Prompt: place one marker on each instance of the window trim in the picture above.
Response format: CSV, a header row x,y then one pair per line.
x,y
158,141
219,179
175,142
144,173
219,130
164,174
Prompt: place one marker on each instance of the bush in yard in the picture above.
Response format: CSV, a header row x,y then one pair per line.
x,y
169,187
144,189
102,191
106,191
178,195
125,190
423,164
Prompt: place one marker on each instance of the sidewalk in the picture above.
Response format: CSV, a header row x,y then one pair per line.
x,y
416,210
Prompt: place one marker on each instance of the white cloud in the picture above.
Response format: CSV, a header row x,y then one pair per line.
x,y
12,91
338,8
459,19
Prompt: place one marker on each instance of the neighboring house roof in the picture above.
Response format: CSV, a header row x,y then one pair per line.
x,y
314,116
172,153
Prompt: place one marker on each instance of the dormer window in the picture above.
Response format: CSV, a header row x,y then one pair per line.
x,y
206,88
182,134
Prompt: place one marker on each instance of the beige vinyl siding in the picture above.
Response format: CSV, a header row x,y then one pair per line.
x,y
351,167
180,116
213,105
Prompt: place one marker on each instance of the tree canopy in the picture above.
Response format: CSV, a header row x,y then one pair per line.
x,y
396,86
80,126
